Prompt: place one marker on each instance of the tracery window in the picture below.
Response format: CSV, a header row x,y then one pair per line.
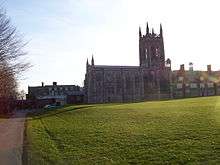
x,y
153,51
157,52
146,53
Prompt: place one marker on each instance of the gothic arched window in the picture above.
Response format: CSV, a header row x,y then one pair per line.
x,y
153,51
146,53
157,52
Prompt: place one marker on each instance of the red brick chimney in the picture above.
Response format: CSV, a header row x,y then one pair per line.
x,y
182,68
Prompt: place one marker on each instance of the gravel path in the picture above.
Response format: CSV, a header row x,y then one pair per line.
x,y
11,139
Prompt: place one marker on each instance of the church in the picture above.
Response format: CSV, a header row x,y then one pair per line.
x,y
150,80
153,79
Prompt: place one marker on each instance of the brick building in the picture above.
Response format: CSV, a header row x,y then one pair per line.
x,y
190,83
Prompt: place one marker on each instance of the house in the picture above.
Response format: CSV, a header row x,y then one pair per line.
x,y
55,94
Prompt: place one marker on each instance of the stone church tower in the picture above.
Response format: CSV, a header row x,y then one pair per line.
x,y
151,49
156,71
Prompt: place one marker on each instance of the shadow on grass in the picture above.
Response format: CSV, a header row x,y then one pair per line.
x,y
42,113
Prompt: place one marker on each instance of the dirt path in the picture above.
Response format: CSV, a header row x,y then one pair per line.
x,y
11,139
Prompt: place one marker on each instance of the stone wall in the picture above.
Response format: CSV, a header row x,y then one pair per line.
x,y
113,85
104,84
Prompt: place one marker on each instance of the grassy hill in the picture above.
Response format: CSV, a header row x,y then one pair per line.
x,y
159,132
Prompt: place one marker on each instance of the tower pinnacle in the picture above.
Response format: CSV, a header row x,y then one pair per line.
x,y
87,65
161,30
92,61
153,31
87,62
147,29
140,35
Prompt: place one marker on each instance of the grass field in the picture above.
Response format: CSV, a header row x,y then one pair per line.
x,y
160,132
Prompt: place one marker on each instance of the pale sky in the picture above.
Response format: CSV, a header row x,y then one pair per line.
x,y
62,34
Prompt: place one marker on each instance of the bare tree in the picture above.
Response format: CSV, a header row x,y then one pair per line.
x,y
11,53
11,45
21,95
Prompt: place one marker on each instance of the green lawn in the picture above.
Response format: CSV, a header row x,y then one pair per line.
x,y
160,132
